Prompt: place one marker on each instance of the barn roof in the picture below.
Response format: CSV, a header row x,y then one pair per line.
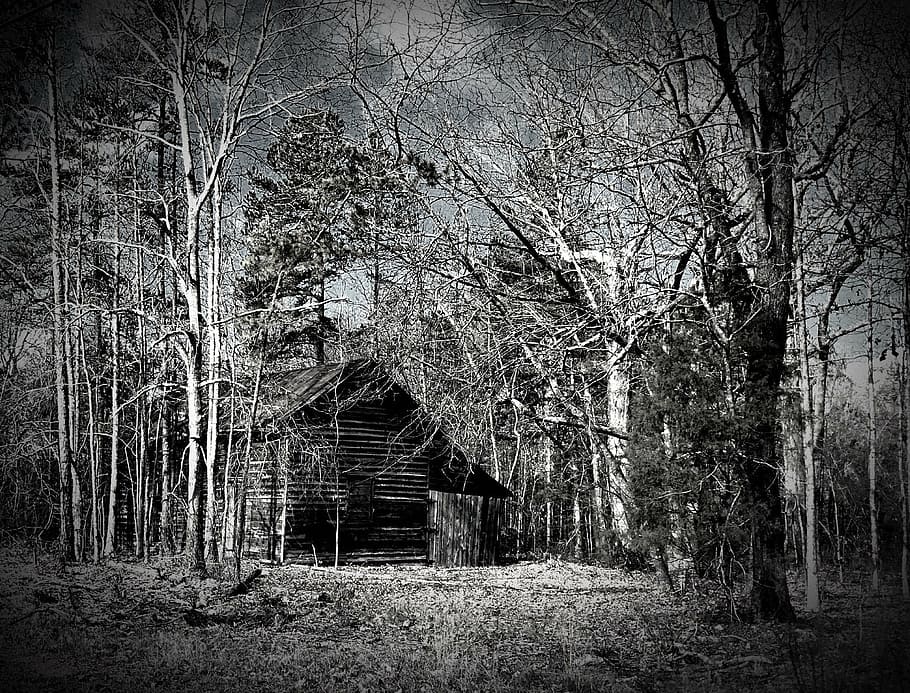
x,y
292,391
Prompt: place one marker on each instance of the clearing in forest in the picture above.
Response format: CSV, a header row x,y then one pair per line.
x,y
536,626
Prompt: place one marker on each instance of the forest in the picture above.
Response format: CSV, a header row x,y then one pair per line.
x,y
644,262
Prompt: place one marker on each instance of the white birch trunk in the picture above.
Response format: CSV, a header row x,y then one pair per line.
x,y
548,505
165,531
596,447
190,287
109,534
214,369
75,426
94,461
577,522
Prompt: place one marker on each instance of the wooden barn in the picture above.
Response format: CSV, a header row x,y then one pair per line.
x,y
346,461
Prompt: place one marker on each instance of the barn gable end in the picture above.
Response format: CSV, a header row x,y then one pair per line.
x,y
345,457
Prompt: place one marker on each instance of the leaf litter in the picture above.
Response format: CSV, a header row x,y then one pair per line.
x,y
534,626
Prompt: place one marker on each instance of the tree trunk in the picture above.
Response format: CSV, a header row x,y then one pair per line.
x,y
808,439
166,534
76,504
548,504
195,520
139,480
838,538
228,514
577,522
64,453
661,567
617,477
196,458
873,436
144,469
765,335
214,369
320,335
75,428
165,529
110,527
596,449
759,304
94,461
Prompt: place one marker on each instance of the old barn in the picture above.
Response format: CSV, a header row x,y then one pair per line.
x,y
346,461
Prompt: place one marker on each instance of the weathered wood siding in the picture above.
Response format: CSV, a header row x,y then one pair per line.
x,y
263,506
354,458
463,529
368,467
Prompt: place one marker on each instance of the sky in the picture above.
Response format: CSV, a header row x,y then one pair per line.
x,y
396,24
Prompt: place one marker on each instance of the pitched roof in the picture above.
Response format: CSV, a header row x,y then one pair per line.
x,y
292,391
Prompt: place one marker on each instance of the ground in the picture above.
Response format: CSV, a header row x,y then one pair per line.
x,y
533,626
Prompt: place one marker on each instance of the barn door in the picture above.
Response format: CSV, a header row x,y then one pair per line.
x,y
360,502
432,543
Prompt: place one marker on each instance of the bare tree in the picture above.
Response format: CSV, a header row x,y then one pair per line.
x,y
60,332
215,59
808,438
875,559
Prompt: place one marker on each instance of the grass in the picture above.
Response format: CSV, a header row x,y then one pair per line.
x,y
550,626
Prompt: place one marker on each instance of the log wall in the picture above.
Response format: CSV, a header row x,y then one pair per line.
x,y
365,470
364,466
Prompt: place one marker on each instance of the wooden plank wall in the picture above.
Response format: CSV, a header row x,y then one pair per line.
x,y
264,495
367,466
463,529
366,448
367,451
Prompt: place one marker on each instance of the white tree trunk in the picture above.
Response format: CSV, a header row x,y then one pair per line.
x,y
808,440
190,288
617,480
109,533
94,461
64,452
547,445
214,369
578,533
873,509
598,452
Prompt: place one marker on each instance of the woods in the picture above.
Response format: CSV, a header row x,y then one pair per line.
x,y
645,263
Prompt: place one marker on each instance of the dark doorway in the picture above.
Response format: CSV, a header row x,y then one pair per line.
x,y
360,502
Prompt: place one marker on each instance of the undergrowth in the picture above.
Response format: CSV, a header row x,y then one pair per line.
x,y
545,626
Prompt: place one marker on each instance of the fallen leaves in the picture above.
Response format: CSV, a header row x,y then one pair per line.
x,y
537,626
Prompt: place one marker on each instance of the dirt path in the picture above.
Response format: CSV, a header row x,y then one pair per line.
x,y
550,626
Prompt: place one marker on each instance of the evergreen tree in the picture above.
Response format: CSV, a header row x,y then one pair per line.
x,y
325,204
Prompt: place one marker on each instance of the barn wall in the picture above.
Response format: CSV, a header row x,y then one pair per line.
x,y
463,529
379,490
370,467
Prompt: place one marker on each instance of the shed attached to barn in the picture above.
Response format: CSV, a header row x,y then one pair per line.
x,y
345,460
